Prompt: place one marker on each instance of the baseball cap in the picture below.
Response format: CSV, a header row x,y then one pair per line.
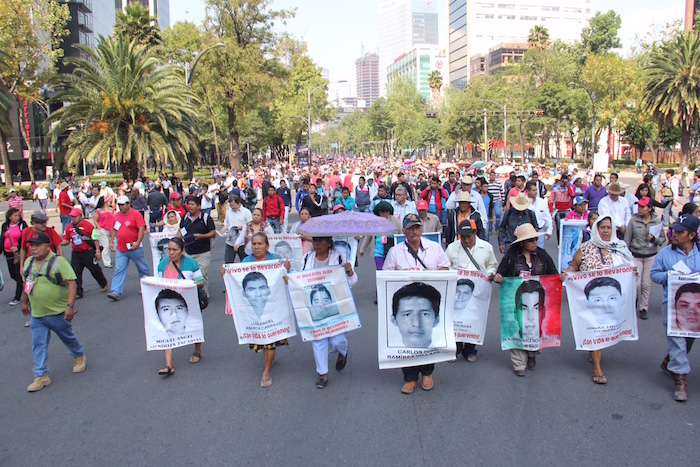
x,y
39,217
579,200
123,200
422,205
12,190
39,237
103,183
686,222
338,208
644,201
175,195
410,220
467,228
76,212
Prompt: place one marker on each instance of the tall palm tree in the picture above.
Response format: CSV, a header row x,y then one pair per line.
x,y
121,104
5,121
435,83
672,91
538,37
137,23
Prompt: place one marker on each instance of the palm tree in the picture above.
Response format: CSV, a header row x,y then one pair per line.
x,y
121,104
538,38
435,83
5,122
672,91
136,23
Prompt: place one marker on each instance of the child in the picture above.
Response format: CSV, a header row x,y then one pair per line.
x,y
592,217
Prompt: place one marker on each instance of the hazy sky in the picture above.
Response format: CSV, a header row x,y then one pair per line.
x,y
337,30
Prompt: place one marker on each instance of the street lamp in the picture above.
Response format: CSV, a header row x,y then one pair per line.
x,y
505,126
592,97
308,101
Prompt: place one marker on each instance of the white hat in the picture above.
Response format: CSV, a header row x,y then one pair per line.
x,y
123,200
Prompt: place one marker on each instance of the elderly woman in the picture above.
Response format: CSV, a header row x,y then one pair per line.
x,y
323,256
170,223
246,235
602,251
260,251
179,266
525,259
644,245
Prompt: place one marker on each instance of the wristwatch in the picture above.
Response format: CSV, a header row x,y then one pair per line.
x,y
71,305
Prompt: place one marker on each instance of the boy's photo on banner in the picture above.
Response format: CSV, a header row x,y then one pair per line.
x,y
416,310
472,301
171,313
159,248
323,303
287,247
347,246
530,312
602,306
571,235
258,298
683,305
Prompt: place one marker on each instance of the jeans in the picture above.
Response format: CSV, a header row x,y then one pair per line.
x,y
442,215
678,347
16,275
466,349
285,226
274,223
122,267
41,335
42,203
65,220
498,213
667,214
153,217
643,281
363,208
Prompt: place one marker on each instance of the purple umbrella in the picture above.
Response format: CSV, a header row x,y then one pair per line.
x,y
347,224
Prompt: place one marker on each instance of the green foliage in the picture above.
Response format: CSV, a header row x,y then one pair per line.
x,y
135,23
406,110
600,36
538,37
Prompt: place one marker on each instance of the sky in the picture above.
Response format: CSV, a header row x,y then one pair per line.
x,y
337,31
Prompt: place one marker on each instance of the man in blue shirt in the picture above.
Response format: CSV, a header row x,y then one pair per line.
x,y
302,193
696,187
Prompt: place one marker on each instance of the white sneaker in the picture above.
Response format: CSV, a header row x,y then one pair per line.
x,y
15,302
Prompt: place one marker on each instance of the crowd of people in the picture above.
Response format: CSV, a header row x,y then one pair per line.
x,y
467,205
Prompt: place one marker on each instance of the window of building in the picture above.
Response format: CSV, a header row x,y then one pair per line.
x,y
528,18
506,6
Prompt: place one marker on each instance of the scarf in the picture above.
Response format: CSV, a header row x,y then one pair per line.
x,y
618,248
175,226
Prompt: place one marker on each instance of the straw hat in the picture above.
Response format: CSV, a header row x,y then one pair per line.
x,y
464,196
63,186
520,202
615,189
525,232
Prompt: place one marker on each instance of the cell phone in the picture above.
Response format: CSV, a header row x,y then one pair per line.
x,y
129,245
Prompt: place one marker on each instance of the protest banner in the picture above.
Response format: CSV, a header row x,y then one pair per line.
x,y
530,312
159,248
432,236
416,317
287,247
602,307
347,246
571,237
171,313
472,301
683,305
323,303
259,301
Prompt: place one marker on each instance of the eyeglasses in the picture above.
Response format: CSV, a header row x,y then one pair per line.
x,y
530,240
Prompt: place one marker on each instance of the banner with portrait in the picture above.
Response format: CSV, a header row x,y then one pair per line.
x,y
530,312
432,236
416,310
159,248
258,298
288,247
347,246
602,307
323,303
683,305
472,302
570,238
171,313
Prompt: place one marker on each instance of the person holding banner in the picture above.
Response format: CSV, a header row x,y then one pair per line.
x,y
473,254
683,256
525,259
602,251
177,266
325,255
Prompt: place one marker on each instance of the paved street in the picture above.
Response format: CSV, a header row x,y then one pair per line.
x,y
120,412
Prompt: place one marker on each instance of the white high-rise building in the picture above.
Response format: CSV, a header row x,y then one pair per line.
x,y
475,26
404,24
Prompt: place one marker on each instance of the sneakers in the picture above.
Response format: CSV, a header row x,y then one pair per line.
x,y
643,314
39,383
114,296
14,303
427,383
79,364
408,387
321,383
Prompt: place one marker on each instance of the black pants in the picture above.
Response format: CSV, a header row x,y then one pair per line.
x,y
16,275
466,349
230,254
85,259
410,373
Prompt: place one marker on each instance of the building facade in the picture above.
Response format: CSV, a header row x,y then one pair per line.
x,y
416,65
367,78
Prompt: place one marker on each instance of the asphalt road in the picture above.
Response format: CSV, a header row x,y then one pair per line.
x,y
120,412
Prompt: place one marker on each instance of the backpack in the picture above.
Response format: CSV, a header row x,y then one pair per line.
x,y
55,279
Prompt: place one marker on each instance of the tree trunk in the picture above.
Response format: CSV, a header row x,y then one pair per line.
x,y
23,122
233,157
130,168
5,161
685,145
216,137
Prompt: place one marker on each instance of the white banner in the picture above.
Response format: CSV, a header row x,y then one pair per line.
x,y
602,307
347,246
683,305
323,303
288,247
171,313
258,297
159,248
416,317
570,238
472,302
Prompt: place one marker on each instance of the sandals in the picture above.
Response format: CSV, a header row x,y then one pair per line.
x,y
599,379
196,357
266,383
167,371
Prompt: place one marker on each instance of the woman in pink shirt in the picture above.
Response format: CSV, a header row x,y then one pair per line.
x,y
11,237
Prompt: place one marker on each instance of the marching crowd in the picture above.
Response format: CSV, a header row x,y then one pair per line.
x,y
466,205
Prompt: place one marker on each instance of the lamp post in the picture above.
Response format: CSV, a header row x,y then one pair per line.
x,y
392,136
308,101
592,97
505,125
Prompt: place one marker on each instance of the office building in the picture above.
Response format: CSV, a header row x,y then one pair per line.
x,y
367,76
404,24
416,65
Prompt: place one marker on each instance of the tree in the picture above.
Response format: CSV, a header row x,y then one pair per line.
x,y
538,37
31,35
435,83
124,105
137,23
672,91
600,36
5,122
406,110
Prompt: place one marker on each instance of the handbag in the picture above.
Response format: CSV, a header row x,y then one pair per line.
x,y
201,294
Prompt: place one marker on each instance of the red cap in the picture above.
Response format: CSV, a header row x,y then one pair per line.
x,y
76,212
644,201
175,195
422,205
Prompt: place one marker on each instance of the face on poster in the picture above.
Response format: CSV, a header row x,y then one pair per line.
x,y
287,247
683,305
571,234
159,248
347,247
415,319
171,313
472,301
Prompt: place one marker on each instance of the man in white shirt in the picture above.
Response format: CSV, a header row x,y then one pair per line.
x,y
541,210
237,217
480,251
617,208
41,194
402,205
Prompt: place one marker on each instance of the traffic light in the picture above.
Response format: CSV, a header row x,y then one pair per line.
x,y
539,112
489,145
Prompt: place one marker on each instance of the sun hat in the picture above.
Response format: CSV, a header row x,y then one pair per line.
x,y
520,202
63,186
383,206
525,232
464,197
615,189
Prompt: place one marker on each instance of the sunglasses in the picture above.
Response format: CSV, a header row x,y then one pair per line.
x,y
530,240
